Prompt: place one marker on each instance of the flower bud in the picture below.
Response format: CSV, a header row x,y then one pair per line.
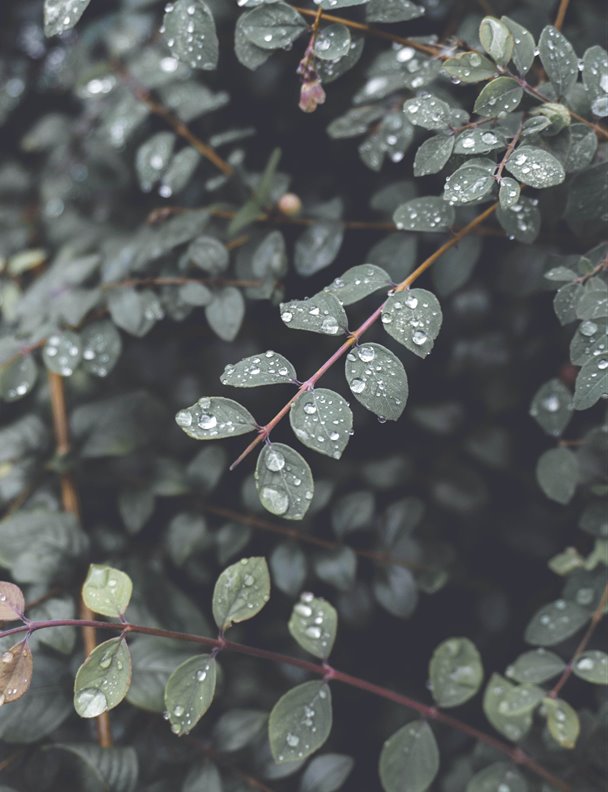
x,y
289,204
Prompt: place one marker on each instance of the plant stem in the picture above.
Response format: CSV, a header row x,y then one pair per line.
x,y
561,13
584,643
356,335
69,497
179,281
323,670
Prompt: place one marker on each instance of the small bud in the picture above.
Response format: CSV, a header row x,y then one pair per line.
x,y
311,95
556,113
289,204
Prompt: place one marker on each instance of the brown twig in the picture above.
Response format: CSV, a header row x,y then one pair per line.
x,y
584,643
561,13
69,498
179,281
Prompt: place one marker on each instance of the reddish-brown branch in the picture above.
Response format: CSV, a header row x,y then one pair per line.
x,y
356,335
561,13
323,670
584,643
71,504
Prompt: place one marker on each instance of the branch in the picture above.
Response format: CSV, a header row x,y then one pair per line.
x,y
327,672
69,497
561,13
356,335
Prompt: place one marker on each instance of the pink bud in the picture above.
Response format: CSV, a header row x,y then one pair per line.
x,y
289,204
311,95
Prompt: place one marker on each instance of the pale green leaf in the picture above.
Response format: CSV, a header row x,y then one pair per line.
x,y
455,672
107,590
62,352
326,773
332,42
514,727
551,407
508,192
17,378
557,473
498,777
189,692
189,31
555,622
414,319
523,45
322,420
321,313
378,380
535,167
358,282
424,214
272,26
411,753
225,312
535,666
300,722
522,221
427,112
284,481
591,383
562,721
469,67
268,368
592,666
433,154
496,39
214,417
152,159
558,58
101,347
313,624
61,15
468,184
478,141
501,95
317,247
241,591
103,680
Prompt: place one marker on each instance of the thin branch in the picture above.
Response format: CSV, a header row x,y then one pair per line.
x,y
323,670
179,281
584,643
561,13
69,497
356,335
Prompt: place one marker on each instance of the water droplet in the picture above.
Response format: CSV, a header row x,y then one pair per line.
x,y
207,421
275,460
310,408
276,501
292,740
419,338
357,385
367,354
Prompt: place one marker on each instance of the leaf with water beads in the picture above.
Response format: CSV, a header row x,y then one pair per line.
x,y
433,154
522,221
535,167
358,282
152,159
17,378
15,672
269,368
101,347
326,773
322,420
107,590
411,753
496,39
508,192
455,672
555,622
496,778
214,417
424,214
61,15
514,727
317,246
313,624
552,407
469,67
100,769
468,184
392,11
591,383
558,58
103,680
523,45
592,666
478,141
378,380
562,721
595,68
557,474
284,481
331,5
189,30
502,95
427,112
535,666
321,313
12,602
62,353
414,319
189,693
273,26
332,42
241,591
300,722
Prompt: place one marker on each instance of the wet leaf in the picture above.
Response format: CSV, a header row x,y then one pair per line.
x,y
535,667
558,58
562,722
427,112
591,383
592,666
313,624
321,313
300,722
555,622
424,214
326,773
468,184
107,590
268,368
189,692
332,42
103,680
523,45
501,95
61,15
411,753
552,407
508,193
189,31
514,727
535,167
273,26
317,247
101,347
496,39
522,221
284,481
214,417
12,602
498,776
241,591
225,312
358,282
433,154
413,318
15,672
469,67
152,159
557,473
17,378
455,672
322,420
378,380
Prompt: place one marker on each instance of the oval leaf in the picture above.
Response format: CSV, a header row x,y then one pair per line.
x,y
562,722
284,481
536,167
555,622
378,380
313,624
496,778
189,693
557,474
300,722
424,214
592,666
269,368
455,672
107,590
189,31
535,667
411,756
103,680
357,282
15,672
214,417
12,602
414,319
322,420
322,313
241,591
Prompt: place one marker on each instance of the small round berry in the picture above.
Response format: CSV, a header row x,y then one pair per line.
x,y
289,204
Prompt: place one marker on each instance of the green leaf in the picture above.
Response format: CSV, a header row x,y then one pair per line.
x,y
321,313
508,193
411,753
225,312
103,680
353,512
189,31
300,722
396,590
336,567
317,247
592,666
17,378
558,58
535,666
478,141
521,700
427,112
322,420
107,590
208,254
456,266
154,660
414,319
587,197
555,622
524,45
189,692
514,727
326,773
557,474
535,167
496,39
595,67
152,159
522,221
241,592
214,417
178,173
469,67
455,672
61,15
313,624
100,769
62,353
468,184
101,347
378,380
562,721
268,368
288,566
332,5
433,154
551,407
424,214
12,602
247,53
502,95
496,778
332,42
358,282
284,481
591,383
272,26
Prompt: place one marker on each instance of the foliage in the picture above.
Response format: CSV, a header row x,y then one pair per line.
x,y
166,202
